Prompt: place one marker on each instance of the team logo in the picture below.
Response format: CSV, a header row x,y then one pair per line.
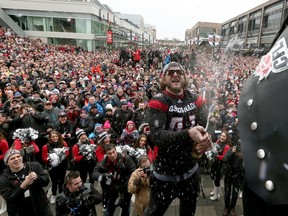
x,y
275,61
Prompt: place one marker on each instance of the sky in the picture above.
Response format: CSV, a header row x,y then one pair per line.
x,y
173,18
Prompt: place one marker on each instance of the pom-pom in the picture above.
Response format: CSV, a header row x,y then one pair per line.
x,y
25,134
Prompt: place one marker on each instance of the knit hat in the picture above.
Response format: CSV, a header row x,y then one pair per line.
x,y
79,133
62,113
130,122
172,66
98,126
17,94
102,136
123,102
107,125
9,153
109,107
93,106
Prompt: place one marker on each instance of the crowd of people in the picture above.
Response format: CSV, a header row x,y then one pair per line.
x,y
100,113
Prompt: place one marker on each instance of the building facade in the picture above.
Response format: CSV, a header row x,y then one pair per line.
x,y
200,32
255,29
77,22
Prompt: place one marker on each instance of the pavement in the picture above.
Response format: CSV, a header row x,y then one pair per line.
x,y
205,206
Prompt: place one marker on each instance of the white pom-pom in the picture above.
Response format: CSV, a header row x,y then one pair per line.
x,y
54,159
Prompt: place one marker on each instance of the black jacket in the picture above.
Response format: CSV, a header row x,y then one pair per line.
x,y
114,176
10,189
81,203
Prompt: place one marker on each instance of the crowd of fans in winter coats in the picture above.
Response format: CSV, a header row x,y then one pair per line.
x,y
61,96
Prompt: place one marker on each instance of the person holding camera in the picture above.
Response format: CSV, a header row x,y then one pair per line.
x,y
139,185
113,172
21,185
77,198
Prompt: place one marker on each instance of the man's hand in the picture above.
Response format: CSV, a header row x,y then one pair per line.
x,y
140,173
201,138
29,179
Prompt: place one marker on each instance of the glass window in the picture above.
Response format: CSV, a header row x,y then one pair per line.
x,y
64,25
38,23
80,26
49,24
98,28
20,21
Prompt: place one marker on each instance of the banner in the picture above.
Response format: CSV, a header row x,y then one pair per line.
x,y
217,39
211,40
109,39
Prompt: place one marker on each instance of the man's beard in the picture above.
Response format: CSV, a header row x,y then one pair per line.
x,y
173,89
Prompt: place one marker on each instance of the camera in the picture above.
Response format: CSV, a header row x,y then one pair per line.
x,y
81,203
27,150
147,170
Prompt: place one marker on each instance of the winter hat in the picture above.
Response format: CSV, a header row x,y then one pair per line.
x,y
62,113
172,66
17,94
79,132
93,106
102,136
130,122
107,125
123,102
109,107
9,153
129,104
98,126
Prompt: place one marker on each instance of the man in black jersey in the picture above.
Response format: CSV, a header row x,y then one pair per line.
x,y
173,117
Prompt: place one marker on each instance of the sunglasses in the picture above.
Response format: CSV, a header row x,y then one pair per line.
x,y
172,72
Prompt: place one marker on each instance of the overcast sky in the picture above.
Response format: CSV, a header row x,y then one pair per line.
x,y
172,18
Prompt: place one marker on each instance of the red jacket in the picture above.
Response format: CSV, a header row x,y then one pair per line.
x,y
76,154
45,152
18,145
100,153
4,147
137,55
